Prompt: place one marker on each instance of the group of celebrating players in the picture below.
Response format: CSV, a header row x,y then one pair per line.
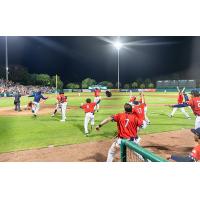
x,y
131,120
135,117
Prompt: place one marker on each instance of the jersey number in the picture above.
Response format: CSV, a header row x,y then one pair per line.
x,y
127,121
140,110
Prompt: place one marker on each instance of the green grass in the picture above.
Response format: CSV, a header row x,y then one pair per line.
x,y
25,132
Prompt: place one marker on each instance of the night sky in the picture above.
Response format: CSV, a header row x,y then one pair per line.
x,y
75,58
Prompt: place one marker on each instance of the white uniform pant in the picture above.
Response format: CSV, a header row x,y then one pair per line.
x,y
197,122
96,99
116,146
182,110
63,110
145,114
88,117
35,107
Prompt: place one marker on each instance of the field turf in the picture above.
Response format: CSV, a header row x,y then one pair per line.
x,y
26,132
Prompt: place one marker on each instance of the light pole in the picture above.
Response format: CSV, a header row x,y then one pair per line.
x,y
118,45
6,58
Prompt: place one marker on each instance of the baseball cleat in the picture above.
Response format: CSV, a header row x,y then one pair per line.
x,y
62,120
52,115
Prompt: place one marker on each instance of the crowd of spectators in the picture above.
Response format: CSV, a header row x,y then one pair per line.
x,y
9,88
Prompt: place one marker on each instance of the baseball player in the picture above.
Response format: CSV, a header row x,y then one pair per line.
x,y
186,98
36,102
62,105
194,156
180,101
58,105
138,109
89,108
127,124
97,98
132,99
142,101
29,106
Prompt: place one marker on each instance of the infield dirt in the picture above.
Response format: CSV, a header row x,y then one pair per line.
x,y
178,142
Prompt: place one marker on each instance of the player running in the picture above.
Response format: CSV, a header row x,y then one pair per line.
x,y
97,98
127,124
180,101
194,156
62,105
36,102
89,108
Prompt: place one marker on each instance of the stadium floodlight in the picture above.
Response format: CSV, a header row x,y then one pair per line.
x,y
118,45
6,49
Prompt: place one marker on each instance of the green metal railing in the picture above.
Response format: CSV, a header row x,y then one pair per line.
x,y
143,153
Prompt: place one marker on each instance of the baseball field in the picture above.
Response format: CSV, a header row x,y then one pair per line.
x,y
25,138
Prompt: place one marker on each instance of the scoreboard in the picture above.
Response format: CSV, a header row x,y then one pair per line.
x,y
162,84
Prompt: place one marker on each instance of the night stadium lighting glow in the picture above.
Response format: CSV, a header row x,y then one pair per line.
x,y
118,45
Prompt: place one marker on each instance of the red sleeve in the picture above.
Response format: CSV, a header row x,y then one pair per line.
x,y
83,106
116,117
196,153
94,104
139,122
190,102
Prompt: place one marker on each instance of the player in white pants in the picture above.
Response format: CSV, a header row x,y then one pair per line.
x,y
89,114
89,117
62,104
127,124
182,110
36,102
180,101
97,98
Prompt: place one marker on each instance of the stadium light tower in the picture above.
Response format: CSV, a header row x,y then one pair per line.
x,y
6,58
118,45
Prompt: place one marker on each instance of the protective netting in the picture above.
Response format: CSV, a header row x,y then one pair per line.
x,y
132,156
131,152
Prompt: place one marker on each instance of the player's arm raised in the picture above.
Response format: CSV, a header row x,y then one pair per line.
x,y
178,89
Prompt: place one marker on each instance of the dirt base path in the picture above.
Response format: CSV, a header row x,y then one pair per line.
x,y
180,142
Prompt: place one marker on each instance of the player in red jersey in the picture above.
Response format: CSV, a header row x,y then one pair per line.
x,y
89,109
142,101
127,124
97,98
194,156
62,105
180,101
138,109
194,103
132,99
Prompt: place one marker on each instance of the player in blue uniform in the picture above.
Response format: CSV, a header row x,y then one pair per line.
x,y
36,102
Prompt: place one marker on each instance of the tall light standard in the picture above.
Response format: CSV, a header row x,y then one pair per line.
x,y
118,45
6,59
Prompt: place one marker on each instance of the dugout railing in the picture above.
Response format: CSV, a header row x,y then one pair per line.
x,y
131,152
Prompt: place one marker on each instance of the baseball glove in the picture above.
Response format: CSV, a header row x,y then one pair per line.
x,y
108,93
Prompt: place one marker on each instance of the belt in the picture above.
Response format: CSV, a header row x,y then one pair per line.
x,y
130,139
